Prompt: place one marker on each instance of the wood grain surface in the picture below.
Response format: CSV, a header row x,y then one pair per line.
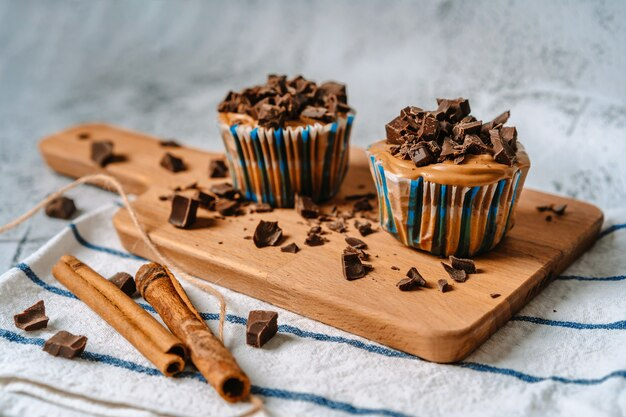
x,y
441,327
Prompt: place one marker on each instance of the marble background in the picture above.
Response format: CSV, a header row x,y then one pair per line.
x,y
162,67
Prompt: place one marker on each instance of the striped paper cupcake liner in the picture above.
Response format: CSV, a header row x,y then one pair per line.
x,y
272,165
446,219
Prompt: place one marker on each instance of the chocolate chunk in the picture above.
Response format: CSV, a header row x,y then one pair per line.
x,y
459,159
227,207
290,248
458,275
498,121
60,208
462,129
509,135
406,284
315,239
559,210
65,345
183,213
466,265
337,226
320,113
443,285
169,143
414,274
261,327
306,207
474,145
172,163
270,116
33,318
356,243
336,89
315,229
364,228
362,205
494,295
218,168
225,190
205,200
395,130
267,234
102,152
353,268
125,282
502,151
364,256
262,208
420,155
429,128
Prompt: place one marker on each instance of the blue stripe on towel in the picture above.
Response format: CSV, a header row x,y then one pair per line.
x,y
618,325
611,229
579,278
258,390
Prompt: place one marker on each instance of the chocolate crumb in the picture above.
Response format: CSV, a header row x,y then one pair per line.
x,y
443,285
362,205
290,248
466,265
356,243
164,197
65,345
33,318
395,268
261,327
306,207
218,168
172,163
125,282
458,275
559,210
544,208
83,135
315,229
169,143
267,234
315,239
337,226
60,208
494,295
548,218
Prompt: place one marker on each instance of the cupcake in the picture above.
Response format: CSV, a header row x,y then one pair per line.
x,y
287,137
447,183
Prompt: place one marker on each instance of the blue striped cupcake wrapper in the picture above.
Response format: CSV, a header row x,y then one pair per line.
x,y
272,165
446,219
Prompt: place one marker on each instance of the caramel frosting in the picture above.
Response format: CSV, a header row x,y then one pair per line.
x,y
231,119
475,170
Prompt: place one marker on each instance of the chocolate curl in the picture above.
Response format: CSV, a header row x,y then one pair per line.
x,y
142,330
161,289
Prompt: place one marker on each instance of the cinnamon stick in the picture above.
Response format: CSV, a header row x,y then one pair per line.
x,y
162,290
142,330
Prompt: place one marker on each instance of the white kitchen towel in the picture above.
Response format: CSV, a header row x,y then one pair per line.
x,y
562,355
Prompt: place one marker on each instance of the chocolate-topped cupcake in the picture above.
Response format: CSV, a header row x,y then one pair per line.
x,y
448,183
287,137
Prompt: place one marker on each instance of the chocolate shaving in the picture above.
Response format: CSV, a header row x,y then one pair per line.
x,y
494,295
261,327
559,210
466,265
356,243
458,275
364,228
125,282
65,345
218,168
172,163
267,234
183,212
306,207
290,248
33,318
337,226
443,285
102,152
60,208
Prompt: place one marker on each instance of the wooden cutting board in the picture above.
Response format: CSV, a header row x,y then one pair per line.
x,y
441,327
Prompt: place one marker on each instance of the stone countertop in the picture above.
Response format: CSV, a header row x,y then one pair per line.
x,y
161,68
